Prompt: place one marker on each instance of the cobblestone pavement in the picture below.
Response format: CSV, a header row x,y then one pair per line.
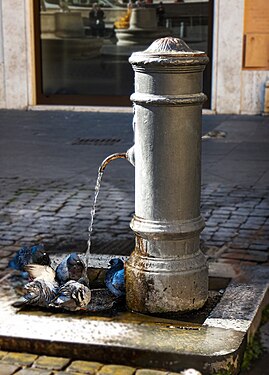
x,y
31,364
58,215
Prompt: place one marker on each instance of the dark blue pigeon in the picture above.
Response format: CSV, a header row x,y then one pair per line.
x,y
71,268
27,255
114,279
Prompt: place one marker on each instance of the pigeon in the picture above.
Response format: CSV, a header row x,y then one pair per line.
x,y
26,255
71,268
214,134
72,296
38,293
114,279
190,371
42,289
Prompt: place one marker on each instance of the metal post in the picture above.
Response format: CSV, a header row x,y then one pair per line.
x,y
167,272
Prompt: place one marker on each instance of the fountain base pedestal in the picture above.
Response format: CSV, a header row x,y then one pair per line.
x,y
166,284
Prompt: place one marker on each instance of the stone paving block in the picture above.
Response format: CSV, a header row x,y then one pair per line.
x,y
116,370
11,235
150,372
246,256
32,371
245,263
262,241
231,224
218,241
2,354
238,218
248,233
52,363
264,204
256,219
261,212
23,359
212,242
250,226
226,231
260,247
84,367
4,262
210,230
4,242
6,369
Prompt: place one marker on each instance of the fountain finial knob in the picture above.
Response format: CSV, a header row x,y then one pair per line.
x,y
168,45
166,52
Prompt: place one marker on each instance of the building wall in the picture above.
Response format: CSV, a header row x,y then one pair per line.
x,y
234,90
227,61
15,46
2,85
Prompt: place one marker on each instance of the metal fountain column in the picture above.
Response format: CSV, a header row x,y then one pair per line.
x,y
167,272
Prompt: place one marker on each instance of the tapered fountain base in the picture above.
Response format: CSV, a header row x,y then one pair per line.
x,y
166,284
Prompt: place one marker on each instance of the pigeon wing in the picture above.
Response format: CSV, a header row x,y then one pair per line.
x,y
118,280
36,271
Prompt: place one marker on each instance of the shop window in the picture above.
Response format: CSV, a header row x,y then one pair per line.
x,y
83,46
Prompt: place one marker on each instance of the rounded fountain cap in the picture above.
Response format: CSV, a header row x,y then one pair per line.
x,y
169,45
169,51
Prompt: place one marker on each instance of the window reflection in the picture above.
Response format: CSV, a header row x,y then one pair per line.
x,y
85,44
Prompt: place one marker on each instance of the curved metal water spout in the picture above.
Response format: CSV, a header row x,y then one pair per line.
x,y
111,158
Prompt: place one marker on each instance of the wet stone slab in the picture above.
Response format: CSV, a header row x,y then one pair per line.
x,y
138,340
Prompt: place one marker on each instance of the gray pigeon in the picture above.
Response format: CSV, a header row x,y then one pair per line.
x,y
42,289
38,293
72,296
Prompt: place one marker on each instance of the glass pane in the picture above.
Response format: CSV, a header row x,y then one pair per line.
x,y
85,45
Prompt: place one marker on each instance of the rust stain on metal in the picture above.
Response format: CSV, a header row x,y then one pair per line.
x,y
111,158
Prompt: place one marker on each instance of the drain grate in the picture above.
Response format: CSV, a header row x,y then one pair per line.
x,y
96,141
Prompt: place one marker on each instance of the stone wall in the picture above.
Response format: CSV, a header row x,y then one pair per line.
x,y
234,90
2,91
14,65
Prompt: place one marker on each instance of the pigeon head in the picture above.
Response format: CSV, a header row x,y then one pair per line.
x,y
39,256
76,267
73,259
84,281
33,287
116,262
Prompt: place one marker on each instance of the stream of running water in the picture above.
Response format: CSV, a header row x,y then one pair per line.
x,y
96,192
